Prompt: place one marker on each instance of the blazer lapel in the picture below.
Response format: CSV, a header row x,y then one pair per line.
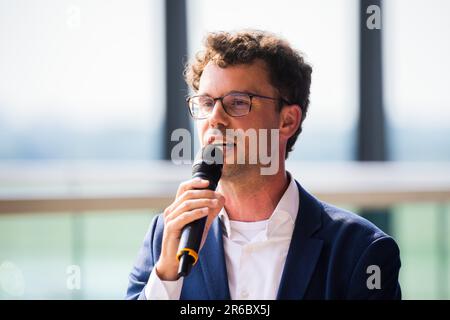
x,y
212,264
304,251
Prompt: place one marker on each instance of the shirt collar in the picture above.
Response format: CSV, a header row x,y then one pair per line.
x,y
281,222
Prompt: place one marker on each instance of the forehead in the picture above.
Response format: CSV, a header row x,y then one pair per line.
x,y
253,77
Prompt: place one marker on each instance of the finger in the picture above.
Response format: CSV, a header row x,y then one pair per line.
x,y
191,184
192,204
190,194
177,224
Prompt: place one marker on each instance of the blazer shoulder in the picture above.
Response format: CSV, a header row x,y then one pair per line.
x,y
143,266
341,224
156,233
355,245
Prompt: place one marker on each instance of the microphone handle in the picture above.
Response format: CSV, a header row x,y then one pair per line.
x,y
191,237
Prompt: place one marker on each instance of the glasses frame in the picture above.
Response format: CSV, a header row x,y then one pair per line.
x,y
250,95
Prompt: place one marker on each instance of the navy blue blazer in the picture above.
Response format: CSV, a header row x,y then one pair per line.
x,y
331,256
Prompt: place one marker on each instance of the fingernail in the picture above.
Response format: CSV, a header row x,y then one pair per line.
x,y
215,202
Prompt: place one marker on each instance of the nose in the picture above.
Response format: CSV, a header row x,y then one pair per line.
x,y
218,116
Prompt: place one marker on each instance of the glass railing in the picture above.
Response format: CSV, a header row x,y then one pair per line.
x,y
74,231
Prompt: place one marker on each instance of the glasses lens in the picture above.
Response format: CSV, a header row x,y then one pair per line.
x,y
237,104
201,106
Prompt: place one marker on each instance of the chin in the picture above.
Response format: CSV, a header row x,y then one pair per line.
x,y
241,171
231,171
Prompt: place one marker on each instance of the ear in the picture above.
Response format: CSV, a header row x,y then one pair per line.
x,y
290,118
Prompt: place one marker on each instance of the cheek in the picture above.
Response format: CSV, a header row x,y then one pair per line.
x,y
265,121
202,127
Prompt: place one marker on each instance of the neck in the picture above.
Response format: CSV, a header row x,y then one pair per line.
x,y
252,196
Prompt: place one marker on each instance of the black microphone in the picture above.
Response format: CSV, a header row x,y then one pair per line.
x,y
208,166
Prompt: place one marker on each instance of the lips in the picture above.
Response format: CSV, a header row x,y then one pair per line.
x,y
224,144
219,142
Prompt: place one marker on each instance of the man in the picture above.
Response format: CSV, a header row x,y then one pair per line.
x,y
265,236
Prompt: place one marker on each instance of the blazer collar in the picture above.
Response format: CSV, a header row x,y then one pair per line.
x,y
212,264
301,260
304,250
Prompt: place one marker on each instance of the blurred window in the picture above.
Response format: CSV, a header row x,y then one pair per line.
x,y
81,79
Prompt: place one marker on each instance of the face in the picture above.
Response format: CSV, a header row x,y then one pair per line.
x,y
250,78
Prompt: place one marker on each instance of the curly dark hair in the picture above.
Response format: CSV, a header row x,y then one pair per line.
x,y
288,71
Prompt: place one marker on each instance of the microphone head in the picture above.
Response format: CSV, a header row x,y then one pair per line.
x,y
208,164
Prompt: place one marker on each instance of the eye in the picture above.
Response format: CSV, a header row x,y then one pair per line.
x,y
208,104
205,102
236,99
239,102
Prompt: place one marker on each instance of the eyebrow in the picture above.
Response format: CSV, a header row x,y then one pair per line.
x,y
230,92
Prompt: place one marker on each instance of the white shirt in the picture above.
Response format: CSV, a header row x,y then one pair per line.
x,y
255,253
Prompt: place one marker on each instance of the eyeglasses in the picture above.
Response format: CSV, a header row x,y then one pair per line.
x,y
235,104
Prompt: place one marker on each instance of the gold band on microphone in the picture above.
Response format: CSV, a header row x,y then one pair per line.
x,y
190,252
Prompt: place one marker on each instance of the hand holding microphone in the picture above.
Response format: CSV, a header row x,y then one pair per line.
x,y
195,207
